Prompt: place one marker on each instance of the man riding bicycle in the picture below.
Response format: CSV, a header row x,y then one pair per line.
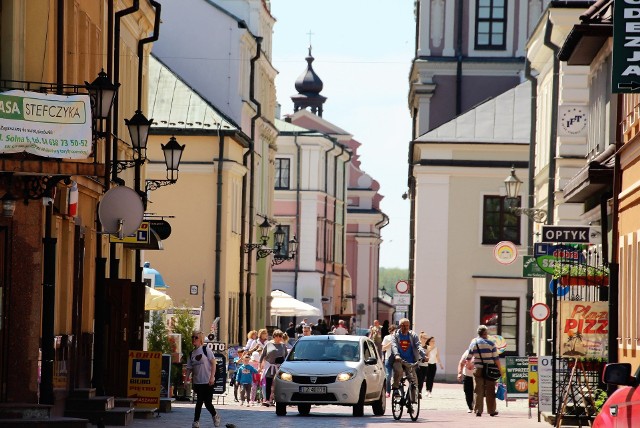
x,y
406,350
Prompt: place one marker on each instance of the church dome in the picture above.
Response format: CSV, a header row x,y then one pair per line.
x,y
309,82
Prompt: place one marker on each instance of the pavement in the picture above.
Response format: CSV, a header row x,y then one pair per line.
x,y
446,409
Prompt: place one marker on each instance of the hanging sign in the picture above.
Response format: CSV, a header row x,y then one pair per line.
x,y
505,252
48,125
625,75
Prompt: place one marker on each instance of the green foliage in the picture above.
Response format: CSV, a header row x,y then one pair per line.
x,y
184,324
388,277
600,397
158,338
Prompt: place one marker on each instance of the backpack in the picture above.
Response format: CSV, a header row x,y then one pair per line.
x,y
205,350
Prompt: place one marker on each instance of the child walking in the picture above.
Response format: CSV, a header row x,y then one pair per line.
x,y
256,390
244,379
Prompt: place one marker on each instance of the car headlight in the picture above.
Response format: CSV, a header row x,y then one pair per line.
x,y
345,376
285,376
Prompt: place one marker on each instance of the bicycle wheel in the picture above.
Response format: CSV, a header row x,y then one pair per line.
x,y
397,404
413,406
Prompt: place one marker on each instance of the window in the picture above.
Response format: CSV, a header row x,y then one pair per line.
x,y
284,250
498,223
500,315
491,24
283,170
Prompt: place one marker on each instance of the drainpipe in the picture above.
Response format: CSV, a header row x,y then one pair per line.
x,y
113,261
251,154
551,329
218,251
379,226
459,59
528,334
411,184
298,209
136,339
335,216
326,214
49,255
97,380
614,266
344,214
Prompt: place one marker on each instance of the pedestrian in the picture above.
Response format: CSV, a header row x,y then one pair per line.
x,y
433,356
386,351
322,326
285,340
273,354
238,362
306,330
483,351
252,336
202,365
291,332
421,370
244,378
256,389
465,375
340,329
375,334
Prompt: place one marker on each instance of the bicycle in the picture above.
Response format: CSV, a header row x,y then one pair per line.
x,y
409,399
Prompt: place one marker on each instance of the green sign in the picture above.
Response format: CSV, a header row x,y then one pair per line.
x,y
625,76
530,268
517,372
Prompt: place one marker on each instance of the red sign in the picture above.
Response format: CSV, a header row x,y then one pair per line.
x,y
540,312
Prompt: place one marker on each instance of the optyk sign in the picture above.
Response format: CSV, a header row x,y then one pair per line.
x,y
578,234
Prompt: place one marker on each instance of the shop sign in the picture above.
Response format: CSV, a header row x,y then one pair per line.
x,y
575,234
517,375
583,329
48,125
533,382
141,236
625,73
144,378
530,268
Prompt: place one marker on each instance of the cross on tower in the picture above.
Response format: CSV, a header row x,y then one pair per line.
x,y
310,34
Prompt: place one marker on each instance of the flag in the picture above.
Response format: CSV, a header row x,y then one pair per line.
x,y
73,200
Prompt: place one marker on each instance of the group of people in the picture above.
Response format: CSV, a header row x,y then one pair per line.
x,y
402,349
306,328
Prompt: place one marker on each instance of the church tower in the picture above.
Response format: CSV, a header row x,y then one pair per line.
x,y
309,86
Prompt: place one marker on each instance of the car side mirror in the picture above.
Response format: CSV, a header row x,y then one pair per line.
x,y
619,374
371,361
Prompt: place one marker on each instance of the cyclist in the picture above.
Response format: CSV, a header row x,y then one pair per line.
x,y
406,350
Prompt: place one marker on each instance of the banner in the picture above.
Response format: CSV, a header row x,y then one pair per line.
x,y
517,374
54,126
583,329
144,378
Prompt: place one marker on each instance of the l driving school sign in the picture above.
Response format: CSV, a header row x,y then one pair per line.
x,y
626,46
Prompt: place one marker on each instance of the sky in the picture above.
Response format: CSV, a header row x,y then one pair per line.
x,y
363,51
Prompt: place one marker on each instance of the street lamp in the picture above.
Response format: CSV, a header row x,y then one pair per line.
x,y
102,93
292,249
512,184
265,227
139,127
172,156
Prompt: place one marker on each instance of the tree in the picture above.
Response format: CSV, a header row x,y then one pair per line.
x,y
184,324
158,338
388,277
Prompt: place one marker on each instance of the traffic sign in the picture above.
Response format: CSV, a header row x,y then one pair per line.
x,y
401,299
402,286
540,312
402,308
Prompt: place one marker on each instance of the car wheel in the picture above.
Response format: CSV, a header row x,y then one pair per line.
x,y
358,409
281,409
380,405
304,409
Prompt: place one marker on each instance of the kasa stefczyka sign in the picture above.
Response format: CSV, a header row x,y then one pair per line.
x,y
625,76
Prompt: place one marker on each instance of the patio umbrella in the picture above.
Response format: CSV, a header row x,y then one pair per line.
x,y
285,305
155,300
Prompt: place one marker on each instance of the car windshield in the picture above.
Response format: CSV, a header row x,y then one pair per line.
x,y
325,350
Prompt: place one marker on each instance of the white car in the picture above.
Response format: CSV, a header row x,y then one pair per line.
x,y
331,369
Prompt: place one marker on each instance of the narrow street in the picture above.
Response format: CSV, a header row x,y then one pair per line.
x,y
445,409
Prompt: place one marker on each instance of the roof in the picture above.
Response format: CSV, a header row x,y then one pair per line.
x,y
502,119
174,104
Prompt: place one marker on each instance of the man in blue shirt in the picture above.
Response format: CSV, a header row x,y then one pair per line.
x,y
407,350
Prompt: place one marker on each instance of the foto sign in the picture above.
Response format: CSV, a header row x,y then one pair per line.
x,y
576,234
625,76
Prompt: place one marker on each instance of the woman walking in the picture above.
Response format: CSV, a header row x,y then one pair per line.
x,y
386,352
202,364
273,355
421,370
434,360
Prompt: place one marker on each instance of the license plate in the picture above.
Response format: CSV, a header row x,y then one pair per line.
x,y
313,389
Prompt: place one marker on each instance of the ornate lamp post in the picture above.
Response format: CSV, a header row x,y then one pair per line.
x,y
512,184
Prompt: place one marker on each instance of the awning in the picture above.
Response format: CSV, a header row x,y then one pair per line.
x,y
284,305
158,281
596,176
155,300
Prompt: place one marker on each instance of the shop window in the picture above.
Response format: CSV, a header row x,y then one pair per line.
x,y
500,315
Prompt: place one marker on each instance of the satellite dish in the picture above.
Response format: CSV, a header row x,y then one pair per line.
x,y
121,211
